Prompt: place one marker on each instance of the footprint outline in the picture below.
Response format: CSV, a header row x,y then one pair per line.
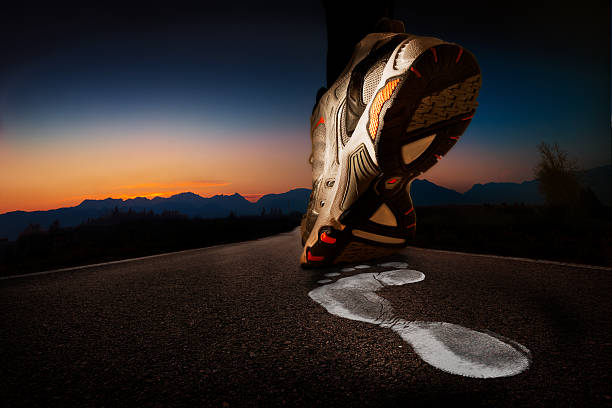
x,y
447,346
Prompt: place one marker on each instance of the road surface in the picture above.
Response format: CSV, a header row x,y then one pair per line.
x,y
244,325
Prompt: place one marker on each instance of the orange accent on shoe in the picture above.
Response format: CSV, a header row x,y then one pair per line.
x,y
381,97
459,56
418,74
392,181
312,257
411,225
433,50
438,156
469,117
409,211
327,239
455,137
321,120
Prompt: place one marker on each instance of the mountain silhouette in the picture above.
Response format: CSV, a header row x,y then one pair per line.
x,y
598,179
190,204
496,193
423,192
294,200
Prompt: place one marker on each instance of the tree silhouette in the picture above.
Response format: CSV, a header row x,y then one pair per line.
x,y
556,174
55,226
31,229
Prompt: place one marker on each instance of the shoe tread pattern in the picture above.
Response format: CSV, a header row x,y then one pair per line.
x,y
446,104
439,100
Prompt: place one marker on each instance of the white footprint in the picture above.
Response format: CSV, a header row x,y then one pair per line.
x,y
449,347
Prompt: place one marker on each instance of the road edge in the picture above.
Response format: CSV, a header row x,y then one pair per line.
x,y
72,268
539,261
514,258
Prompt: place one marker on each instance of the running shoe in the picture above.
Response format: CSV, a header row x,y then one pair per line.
x,y
402,102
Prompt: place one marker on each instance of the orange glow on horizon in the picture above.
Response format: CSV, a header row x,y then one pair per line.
x,y
254,197
76,200
62,171
184,184
165,194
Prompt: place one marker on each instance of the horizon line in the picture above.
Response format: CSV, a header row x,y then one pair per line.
x,y
248,197
251,197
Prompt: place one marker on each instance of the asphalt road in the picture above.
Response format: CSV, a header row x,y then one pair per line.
x,y
234,325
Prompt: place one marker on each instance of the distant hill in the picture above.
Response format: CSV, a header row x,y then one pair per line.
x,y
294,200
496,193
190,204
598,179
424,193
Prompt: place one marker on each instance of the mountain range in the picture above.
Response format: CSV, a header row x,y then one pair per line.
x,y
423,193
190,204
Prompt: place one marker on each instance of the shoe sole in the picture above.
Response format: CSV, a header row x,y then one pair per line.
x,y
414,120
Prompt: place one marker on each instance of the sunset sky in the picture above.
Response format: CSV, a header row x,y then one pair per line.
x,y
125,102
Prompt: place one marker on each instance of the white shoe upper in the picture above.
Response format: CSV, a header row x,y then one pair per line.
x,y
331,145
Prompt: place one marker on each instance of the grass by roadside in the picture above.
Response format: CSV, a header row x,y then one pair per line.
x,y
128,234
536,232
509,230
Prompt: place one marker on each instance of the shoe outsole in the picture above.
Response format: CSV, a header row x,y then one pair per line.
x,y
433,101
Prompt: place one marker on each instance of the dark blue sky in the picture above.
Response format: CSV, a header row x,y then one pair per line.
x,y
244,73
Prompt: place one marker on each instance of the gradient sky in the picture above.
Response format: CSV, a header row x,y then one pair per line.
x,y
155,100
